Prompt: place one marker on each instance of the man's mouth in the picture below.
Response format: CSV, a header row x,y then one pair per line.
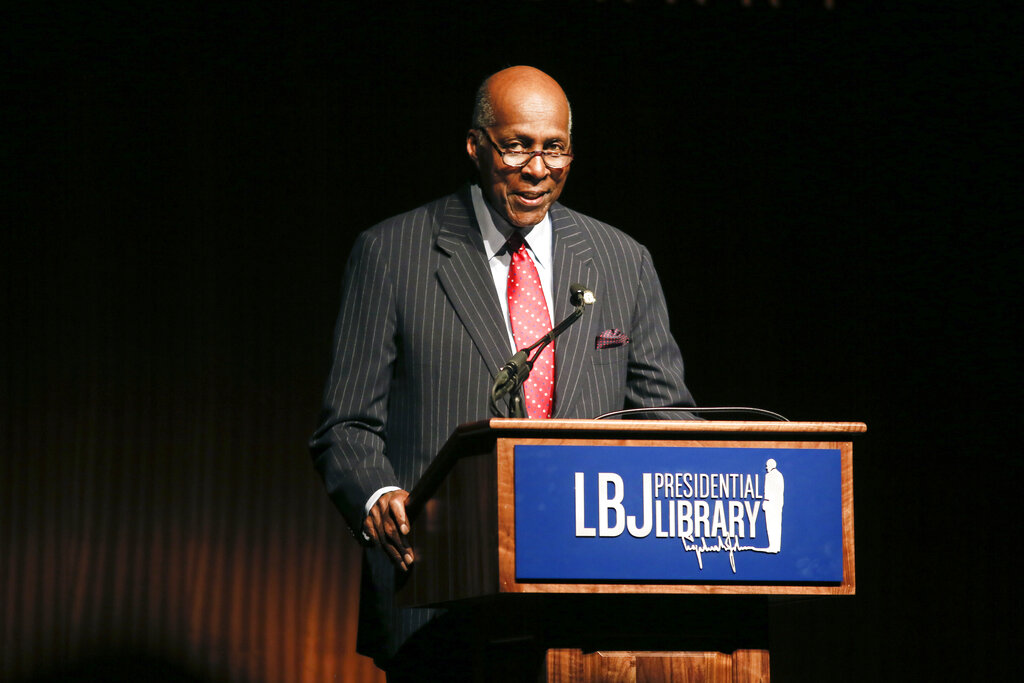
x,y
531,198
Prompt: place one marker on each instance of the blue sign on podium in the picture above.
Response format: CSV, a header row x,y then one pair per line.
x,y
678,514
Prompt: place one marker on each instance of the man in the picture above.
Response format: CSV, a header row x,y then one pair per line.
x,y
428,317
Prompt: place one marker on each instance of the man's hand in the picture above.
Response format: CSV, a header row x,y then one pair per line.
x,y
387,525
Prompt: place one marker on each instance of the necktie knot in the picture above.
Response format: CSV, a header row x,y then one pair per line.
x,y
515,242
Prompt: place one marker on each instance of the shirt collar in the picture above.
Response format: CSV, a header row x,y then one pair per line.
x,y
495,230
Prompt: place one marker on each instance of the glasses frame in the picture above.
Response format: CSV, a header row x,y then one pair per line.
x,y
544,155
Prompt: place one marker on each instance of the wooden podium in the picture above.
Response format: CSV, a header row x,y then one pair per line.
x,y
626,628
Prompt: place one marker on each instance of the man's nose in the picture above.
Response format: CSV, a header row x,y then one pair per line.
x,y
536,167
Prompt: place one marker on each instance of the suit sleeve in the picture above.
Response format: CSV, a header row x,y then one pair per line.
x,y
349,448
655,373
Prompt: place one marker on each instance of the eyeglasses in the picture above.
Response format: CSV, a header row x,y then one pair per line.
x,y
517,159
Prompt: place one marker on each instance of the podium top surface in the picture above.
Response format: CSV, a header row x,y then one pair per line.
x,y
498,427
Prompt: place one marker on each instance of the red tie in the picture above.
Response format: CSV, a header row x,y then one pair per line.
x,y
528,312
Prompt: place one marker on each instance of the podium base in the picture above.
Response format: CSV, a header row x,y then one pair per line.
x,y
573,666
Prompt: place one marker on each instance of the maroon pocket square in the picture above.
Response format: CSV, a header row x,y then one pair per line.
x,y
609,339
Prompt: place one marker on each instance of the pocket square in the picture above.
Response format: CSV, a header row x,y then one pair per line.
x,y
609,339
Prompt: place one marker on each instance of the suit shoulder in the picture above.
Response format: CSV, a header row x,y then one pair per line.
x,y
423,222
598,232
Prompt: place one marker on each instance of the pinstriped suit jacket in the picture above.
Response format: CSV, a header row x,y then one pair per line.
x,y
420,337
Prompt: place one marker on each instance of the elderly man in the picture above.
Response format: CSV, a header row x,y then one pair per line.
x,y
435,301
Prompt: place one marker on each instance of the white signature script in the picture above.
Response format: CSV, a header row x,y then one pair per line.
x,y
729,544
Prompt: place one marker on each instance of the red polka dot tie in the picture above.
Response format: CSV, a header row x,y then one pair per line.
x,y
528,313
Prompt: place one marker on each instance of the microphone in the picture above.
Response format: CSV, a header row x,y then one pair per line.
x,y
516,370
512,368
580,295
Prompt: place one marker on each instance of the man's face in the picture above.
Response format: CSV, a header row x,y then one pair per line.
x,y
529,120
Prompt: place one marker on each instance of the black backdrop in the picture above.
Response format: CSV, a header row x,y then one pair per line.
x,y
824,193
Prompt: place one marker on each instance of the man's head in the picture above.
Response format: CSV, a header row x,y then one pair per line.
x,y
520,109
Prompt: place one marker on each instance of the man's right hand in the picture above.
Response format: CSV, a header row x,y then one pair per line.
x,y
387,525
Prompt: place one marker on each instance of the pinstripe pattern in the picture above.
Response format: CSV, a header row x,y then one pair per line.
x,y
420,337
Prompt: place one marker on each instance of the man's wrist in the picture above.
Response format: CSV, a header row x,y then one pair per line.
x,y
372,500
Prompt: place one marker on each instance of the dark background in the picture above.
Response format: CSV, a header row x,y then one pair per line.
x,y
828,196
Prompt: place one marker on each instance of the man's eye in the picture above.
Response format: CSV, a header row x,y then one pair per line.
x,y
515,147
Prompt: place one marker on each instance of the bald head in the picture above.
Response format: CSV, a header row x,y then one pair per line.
x,y
530,87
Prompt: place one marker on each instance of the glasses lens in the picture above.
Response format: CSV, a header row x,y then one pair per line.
x,y
522,158
557,160
515,158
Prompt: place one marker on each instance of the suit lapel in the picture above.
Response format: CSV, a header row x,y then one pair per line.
x,y
573,262
467,281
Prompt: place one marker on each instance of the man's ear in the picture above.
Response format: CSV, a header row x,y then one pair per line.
x,y
472,147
